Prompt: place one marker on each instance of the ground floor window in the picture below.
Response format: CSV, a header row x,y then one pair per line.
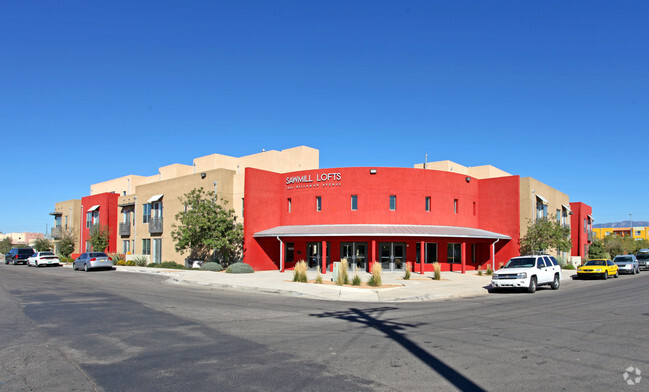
x,y
430,252
126,246
289,257
454,253
355,253
146,246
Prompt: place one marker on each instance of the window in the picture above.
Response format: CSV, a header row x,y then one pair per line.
x,y
474,208
66,222
88,219
393,202
146,247
318,203
454,253
126,246
88,246
430,252
242,207
541,208
156,210
57,221
455,206
289,257
146,213
473,253
290,205
354,202
427,203
558,216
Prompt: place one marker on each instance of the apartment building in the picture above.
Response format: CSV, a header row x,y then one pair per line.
x,y
140,210
67,218
637,232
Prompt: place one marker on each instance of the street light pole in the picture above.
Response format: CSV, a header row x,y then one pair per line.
x,y
631,224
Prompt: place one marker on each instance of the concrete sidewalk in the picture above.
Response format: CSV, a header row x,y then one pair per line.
x,y
418,288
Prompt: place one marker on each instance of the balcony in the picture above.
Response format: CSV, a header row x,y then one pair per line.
x,y
125,228
590,236
155,226
56,233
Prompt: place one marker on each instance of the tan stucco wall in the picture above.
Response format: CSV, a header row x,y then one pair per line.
x,y
71,209
480,172
531,187
121,185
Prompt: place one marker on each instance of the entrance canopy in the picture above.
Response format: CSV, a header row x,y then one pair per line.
x,y
378,231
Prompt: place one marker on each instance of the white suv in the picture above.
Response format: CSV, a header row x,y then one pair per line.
x,y
528,272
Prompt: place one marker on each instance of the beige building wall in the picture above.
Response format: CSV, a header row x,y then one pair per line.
x,y
530,190
122,185
479,172
70,212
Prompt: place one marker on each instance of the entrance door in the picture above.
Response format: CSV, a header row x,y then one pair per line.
x,y
392,255
355,253
157,251
314,254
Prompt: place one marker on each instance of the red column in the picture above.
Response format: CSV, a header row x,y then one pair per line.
x,y
324,257
282,255
463,256
422,253
372,255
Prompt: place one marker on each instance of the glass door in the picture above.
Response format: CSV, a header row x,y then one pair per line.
x,y
314,254
392,256
156,251
355,253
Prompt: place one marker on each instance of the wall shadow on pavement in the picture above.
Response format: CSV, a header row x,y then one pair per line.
x,y
392,330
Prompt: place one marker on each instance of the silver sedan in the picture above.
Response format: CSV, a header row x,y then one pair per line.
x,y
92,260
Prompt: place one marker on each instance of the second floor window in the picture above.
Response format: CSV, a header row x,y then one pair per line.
x,y
146,213
393,202
156,210
354,202
318,203
427,203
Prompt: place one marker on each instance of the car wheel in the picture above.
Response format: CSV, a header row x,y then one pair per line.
x,y
555,283
638,270
633,272
605,275
37,264
617,273
532,287
74,267
15,262
85,267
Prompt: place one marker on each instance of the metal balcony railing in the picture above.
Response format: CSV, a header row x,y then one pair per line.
x,y
124,228
155,225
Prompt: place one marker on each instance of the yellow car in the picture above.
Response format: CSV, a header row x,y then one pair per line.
x,y
598,267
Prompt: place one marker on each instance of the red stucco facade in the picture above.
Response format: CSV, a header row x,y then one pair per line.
x,y
455,200
581,229
107,209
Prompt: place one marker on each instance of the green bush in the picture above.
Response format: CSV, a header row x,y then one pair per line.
x,y
407,274
212,267
568,267
490,271
141,260
375,279
130,263
356,280
239,268
480,272
166,264
318,279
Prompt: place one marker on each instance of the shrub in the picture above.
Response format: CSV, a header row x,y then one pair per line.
x,y
299,272
211,266
437,268
568,267
318,278
490,271
342,277
407,275
480,273
116,257
130,263
166,264
356,281
375,279
141,261
239,268
120,262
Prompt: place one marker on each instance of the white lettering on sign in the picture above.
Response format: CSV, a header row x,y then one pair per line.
x,y
323,177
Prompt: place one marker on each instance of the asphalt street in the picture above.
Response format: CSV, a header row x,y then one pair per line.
x,y
110,331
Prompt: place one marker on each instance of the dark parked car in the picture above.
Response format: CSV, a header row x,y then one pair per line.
x,y
643,258
18,255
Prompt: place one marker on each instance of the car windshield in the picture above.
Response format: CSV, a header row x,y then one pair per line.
x,y
596,262
623,259
525,262
642,256
97,254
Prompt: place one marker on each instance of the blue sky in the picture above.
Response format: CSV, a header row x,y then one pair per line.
x,y
555,90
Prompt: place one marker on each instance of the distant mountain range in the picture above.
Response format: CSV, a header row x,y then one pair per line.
x,y
621,224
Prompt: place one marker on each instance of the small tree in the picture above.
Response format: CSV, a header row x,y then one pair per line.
x,y
596,250
99,237
66,244
545,234
206,227
42,244
5,245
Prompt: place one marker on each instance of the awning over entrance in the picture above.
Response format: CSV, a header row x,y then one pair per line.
x,y
378,231
93,208
155,198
